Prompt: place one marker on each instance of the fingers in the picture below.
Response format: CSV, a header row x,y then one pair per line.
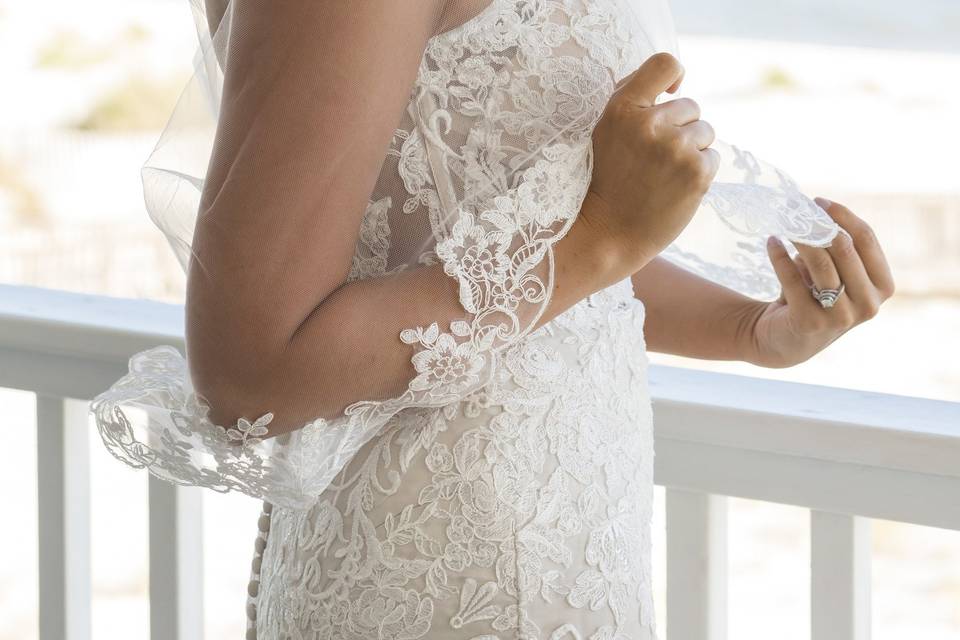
x,y
804,272
794,289
657,74
820,266
711,159
676,85
853,258
865,243
857,285
699,133
680,111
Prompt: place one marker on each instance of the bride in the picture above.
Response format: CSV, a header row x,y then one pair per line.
x,y
428,245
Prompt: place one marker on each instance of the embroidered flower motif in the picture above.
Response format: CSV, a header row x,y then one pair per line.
x,y
475,403
484,530
444,365
475,72
459,529
456,557
439,459
476,257
483,552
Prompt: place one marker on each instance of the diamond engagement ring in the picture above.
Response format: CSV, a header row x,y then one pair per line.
x,y
826,297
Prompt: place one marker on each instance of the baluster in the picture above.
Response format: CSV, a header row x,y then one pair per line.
x,y
839,576
176,561
63,509
696,565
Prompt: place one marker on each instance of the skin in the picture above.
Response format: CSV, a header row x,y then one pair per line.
x,y
692,317
688,315
636,214
267,296
796,327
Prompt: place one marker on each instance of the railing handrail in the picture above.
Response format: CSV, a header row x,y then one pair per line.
x,y
846,455
108,329
719,413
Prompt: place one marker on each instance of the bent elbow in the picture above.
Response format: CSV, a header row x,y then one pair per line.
x,y
228,393
243,396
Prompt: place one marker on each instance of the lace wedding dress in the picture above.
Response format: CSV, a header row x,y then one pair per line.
x,y
507,493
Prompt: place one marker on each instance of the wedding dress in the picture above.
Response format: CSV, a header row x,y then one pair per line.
x,y
507,493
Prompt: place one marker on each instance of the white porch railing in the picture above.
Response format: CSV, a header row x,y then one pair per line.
x,y
848,456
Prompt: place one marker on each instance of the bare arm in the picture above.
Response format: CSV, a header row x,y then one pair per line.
x,y
687,315
693,317
306,120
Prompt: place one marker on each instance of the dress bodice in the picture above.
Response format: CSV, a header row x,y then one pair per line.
x,y
506,493
522,509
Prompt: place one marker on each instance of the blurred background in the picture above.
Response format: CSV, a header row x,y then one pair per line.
x,y
856,99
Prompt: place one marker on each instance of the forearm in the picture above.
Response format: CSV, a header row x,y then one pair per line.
x,y
348,348
690,316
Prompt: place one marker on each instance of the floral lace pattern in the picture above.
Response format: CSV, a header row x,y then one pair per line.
x,y
496,171
507,492
522,511
492,158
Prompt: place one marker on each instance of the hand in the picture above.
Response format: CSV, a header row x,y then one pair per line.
x,y
795,327
652,165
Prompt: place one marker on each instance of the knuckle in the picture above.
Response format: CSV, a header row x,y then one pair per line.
x,y
863,233
691,105
819,261
845,318
713,160
869,310
843,247
705,173
676,148
646,126
688,161
683,139
889,288
709,129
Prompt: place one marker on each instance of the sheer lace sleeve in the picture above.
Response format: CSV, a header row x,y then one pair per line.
x,y
472,167
472,186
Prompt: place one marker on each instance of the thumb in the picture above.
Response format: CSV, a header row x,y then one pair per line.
x,y
658,73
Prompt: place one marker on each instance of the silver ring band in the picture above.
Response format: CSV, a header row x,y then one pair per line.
x,y
826,297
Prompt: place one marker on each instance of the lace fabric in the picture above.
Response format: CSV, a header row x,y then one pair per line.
x,y
508,489
521,511
488,167
485,171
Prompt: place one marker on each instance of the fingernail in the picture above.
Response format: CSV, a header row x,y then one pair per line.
x,y
823,202
774,241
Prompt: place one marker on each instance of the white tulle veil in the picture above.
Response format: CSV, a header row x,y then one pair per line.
x,y
172,436
750,199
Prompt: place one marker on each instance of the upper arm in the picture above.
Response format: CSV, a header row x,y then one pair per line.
x,y
312,92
